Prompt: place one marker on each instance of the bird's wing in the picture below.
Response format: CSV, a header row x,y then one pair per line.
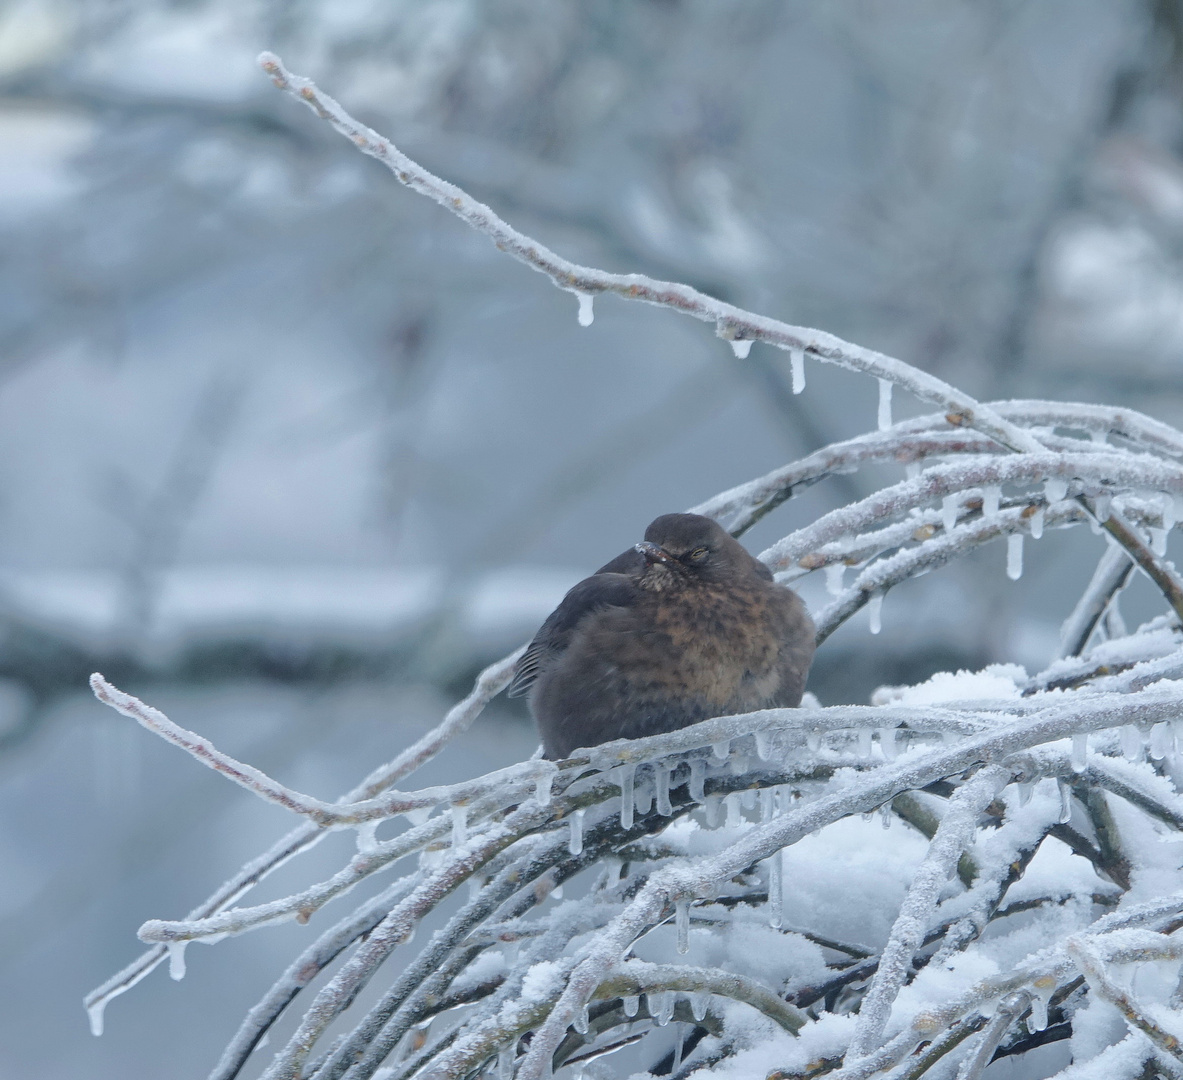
x,y
590,595
631,563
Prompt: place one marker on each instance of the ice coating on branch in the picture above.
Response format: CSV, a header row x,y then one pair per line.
x,y
834,572
682,921
698,1004
797,363
884,417
176,960
575,840
1037,523
586,308
1014,556
741,347
627,774
875,613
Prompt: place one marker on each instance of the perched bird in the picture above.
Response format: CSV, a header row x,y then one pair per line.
x,y
685,626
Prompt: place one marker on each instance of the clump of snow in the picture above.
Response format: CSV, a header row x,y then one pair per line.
x,y
998,682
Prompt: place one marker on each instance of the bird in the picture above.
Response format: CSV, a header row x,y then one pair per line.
x,y
684,626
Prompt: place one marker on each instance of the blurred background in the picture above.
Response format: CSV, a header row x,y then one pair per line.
x,y
291,452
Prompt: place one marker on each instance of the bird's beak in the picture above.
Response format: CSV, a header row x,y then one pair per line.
x,y
654,553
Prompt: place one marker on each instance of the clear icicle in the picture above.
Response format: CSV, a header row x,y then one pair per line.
x,y
1158,541
1014,556
776,881
698,769
866,740
94,1013
661,783
834,573
575,840
1026,790
887,743
712,805
542,788
734,811
1055,489
747,799
767,804
176,960
627,776
875,613
677,1050
884,404
661,1007
912,470
950,504
741,347
644,796
1103,505
813,740
1037,523
367,836
631,1004
1044,988
505,1058
682,920
885,815
991,497
763,745
1065,803
586,308
1080,752
460,823
797,363
1162,741
698,1004
582,1021
1131,743
721,750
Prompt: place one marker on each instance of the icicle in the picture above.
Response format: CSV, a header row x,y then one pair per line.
x,y
557,892
991,496
1131,743
721,750
1170,511
1080,752
661,775
1014,556
1158,541
682,921
630,1003
763,745
734,811
677,1050
460,821
582,1021
950,504
1065,803
575,841
505,1058
776,880
542,789
738,765
712,805
698,1004
1103,505
1162,741
1055,489
94,1014
1037,523
767,805
912,470
741,347
834,574
875,613
887,743
813,740
586,310
1026,790
797,363
865,742
1044,988
747,799
627,773
176,960
698,769
885,815
367,838
419,815
644,793
884,404
661,1006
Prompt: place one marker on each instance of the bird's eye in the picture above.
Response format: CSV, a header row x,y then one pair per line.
x,y
699,553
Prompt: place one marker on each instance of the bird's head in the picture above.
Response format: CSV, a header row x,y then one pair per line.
x,y
682,548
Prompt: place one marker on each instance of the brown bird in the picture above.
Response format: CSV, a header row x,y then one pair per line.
x,y
685,626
